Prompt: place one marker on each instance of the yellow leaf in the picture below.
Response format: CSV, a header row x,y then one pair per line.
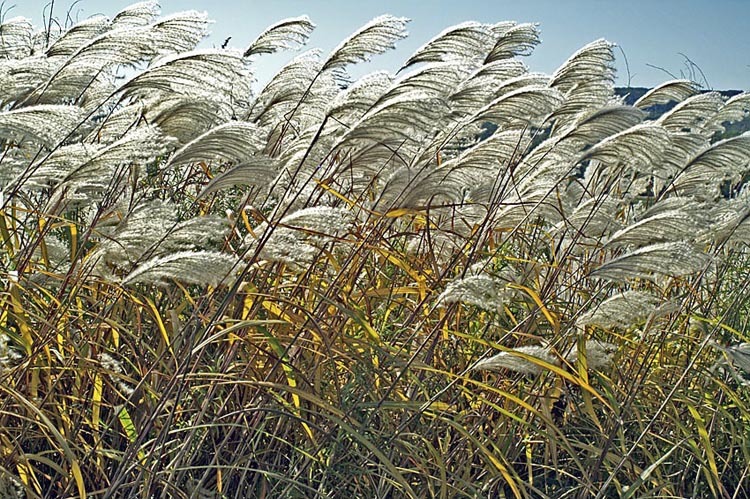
x,y
335,193
159,322
550,316
96,401
5,234
399,212
712,473
420,279
73,241
20,317
129,428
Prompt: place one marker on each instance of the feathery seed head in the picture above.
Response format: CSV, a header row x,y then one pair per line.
x,y
525,363
479,290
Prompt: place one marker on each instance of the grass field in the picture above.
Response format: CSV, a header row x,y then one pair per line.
x,y
334,288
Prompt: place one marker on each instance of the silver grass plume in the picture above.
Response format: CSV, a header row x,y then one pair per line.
x,y
435,80
88,86
259,171
311,113
97,90
117,124
525,106
305,147
483,161
467,42
732,154
217,73
583,98
519,82
350,104
56,256
726,160
20,77
286,34
477,89
300,236
639,147
8,356
116,373
534,185
528,359
598,354
671,225
552,160
16,38
469,130
593,126
128,45
152,229
529,205
669,91
516,40
192,267
729,220
412,187
138,147
201,232
284,246
593,218
564,153
594,61
409,117
11,487
322,221
523,360
693,114
148,233
373,160
302,159
683,146
623,310
587,81
78,35
735,109
286,89
235,141
180,32
138,14
696,209
53,169
673,259
44,124
184,119
479,290
375,37
440,244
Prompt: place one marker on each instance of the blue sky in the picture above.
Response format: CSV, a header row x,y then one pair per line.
x,y
714,35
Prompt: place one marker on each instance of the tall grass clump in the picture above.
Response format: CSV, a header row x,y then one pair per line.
x,y
463,280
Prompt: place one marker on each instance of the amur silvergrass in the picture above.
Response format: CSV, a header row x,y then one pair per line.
x,y
532,359
302,278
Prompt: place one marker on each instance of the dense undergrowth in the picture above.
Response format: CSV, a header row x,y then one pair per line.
x,y
332,288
